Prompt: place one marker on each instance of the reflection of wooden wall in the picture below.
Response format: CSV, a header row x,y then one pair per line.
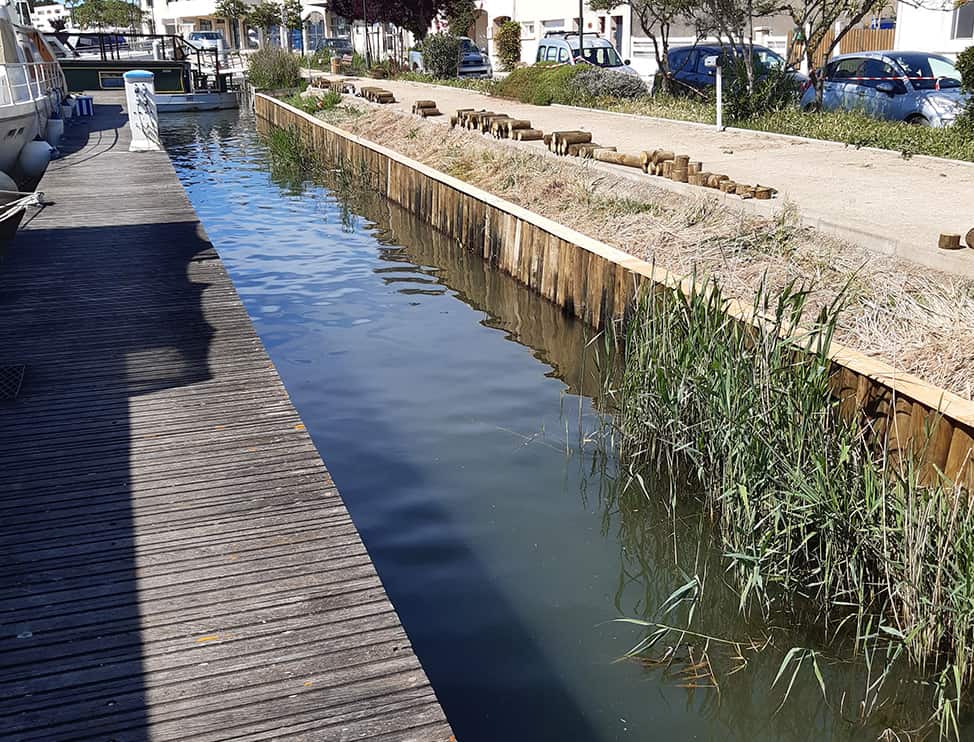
x,y
597,283
856,40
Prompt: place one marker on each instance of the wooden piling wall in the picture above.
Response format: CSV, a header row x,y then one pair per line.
x,y
597,283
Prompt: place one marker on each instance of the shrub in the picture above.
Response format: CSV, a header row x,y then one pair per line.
x,y
441,53
508,39
315,103
595,82
272,67
965,65
776,91
541,85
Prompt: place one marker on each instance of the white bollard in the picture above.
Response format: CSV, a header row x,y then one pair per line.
x,y
140,100
157,49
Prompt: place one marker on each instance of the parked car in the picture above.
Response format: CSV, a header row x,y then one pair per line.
x,y
915,87
689,69
338,47
207,39
472,61
562,48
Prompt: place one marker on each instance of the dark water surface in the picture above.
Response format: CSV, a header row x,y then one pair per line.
x,y
450,406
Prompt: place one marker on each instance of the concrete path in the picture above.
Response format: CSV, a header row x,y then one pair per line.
x,y
874,198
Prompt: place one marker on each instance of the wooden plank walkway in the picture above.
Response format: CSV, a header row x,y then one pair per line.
x,y
175,561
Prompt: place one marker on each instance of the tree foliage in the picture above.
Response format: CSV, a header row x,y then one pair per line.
x,y
107,14
508,40
460,16
230,10
292,14
264,16
441,54
413,15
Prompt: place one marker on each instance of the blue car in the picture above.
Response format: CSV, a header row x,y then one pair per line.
x,y
915,87
687,67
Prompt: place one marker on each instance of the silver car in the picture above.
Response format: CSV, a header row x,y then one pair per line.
x,y
915,87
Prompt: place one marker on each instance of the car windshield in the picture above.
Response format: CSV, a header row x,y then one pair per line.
x,y
602,56
928,71
768,60
209,35
468,47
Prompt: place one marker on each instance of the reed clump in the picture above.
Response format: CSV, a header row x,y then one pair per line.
x,y
810,510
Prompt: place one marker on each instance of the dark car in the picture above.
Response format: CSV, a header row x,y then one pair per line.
x,y
688,67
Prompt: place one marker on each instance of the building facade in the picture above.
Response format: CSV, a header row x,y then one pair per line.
x,y
182,17
946,30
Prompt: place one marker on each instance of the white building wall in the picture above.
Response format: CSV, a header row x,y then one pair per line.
x,y
928,30
540,16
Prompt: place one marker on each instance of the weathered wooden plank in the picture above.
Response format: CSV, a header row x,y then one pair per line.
x,y
159,488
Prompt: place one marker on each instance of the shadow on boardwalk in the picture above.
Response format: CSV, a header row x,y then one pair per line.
x,y
99,316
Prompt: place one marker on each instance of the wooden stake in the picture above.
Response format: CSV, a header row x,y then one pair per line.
x,y
969,239
949,242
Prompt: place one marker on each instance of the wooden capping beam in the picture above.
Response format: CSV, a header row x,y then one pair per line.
x,y
597,282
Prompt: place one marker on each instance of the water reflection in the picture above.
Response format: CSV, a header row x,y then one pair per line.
x,y
465,441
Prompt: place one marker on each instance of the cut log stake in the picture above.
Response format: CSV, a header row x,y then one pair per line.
x,y
529,135
662,155
694,167
681,161
427,112
618,158
969,239
949,242
763,193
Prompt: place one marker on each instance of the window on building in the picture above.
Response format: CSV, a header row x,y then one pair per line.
x,y
555,25
206,25
964,21
527,28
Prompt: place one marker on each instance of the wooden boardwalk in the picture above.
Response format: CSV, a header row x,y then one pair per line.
x,y
175,561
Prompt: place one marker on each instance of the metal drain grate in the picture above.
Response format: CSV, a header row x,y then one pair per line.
x,y
11,377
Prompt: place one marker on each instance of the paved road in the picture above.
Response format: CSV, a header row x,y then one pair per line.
x,y
874,198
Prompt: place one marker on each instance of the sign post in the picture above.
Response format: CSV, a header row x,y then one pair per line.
x,y
713,62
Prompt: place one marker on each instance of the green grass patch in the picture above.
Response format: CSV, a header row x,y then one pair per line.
x,y
314,103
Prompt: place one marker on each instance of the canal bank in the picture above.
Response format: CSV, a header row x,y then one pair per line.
x,y
597,283
177,560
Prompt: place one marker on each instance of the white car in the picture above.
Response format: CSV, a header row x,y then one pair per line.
x,y
560,47
207,39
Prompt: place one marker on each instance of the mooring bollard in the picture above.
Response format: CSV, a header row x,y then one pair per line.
x,y
140,100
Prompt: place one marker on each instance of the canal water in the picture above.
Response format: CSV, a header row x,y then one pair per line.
x,y
454,411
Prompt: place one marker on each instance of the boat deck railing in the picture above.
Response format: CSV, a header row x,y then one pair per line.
x,y
25,81
209,70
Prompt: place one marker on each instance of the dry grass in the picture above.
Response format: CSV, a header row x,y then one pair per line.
x,y
916,318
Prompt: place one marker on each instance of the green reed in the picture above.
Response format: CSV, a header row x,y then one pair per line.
x,y
814,518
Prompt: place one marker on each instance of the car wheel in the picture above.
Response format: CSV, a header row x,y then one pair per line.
x,y
917,120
